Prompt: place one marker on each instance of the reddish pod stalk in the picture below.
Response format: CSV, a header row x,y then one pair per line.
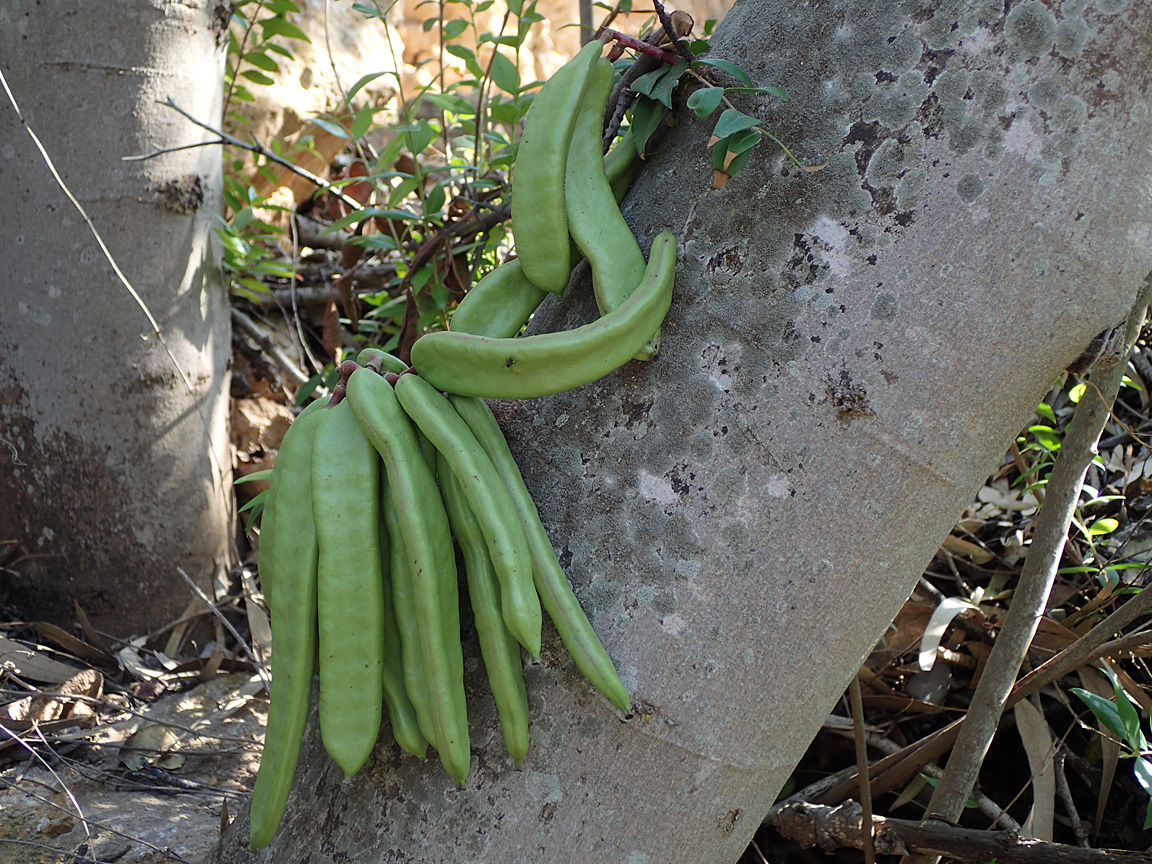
x,y
632,42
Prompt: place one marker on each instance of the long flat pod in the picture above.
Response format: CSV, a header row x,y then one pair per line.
x,y
288,556
498,647
402,713
407,619
538,217
349,589
428,542
552,362
594,219
488,499
499,304
556,594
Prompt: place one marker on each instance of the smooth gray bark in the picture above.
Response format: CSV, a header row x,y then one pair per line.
x,y
848,354
106,480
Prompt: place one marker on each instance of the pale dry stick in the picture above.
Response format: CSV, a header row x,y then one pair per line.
x,y
859,736
995,813
261,335
228,624
1031,594
219,478
898,767
1065,793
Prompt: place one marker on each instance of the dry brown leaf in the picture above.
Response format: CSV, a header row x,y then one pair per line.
x,y
1037,739
974,552
28,662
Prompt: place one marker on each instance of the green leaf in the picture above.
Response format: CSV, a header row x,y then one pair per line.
x,y
330,127
1127,713
368,11
458,105
261,61
257,77
241,219
403,189
1104,711
280,27
361,123
505,75
1045,436
282,7
725,66
743,141
420,137
660,83
359,85
434,201
646,116
705,101
1102,526
732,121
469,58
253,477
1076,392
453,28
1045,411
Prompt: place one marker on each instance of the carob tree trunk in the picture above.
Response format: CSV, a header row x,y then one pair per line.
x,y
114,469
849,354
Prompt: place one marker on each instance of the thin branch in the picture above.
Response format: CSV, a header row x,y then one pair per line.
x,y
1030,598
830,828
254,147
262,336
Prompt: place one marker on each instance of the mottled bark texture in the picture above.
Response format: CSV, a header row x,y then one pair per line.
x,y
106,480
848,354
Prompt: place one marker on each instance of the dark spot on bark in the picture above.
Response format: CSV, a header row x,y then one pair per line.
x,y
636,412
849,398
727,823
509,363
183,195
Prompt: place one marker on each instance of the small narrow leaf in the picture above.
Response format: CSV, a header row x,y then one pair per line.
x,y
505,75
732,121
705,101
726,66
359,85
646,116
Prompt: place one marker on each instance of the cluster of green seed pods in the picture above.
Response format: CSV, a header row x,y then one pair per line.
x,y
371,490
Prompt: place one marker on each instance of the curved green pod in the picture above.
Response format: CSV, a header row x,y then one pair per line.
x,y
427,538
288,557
552,362
498,647
556,594
499,304
594,219
402,713
489,501
538,218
